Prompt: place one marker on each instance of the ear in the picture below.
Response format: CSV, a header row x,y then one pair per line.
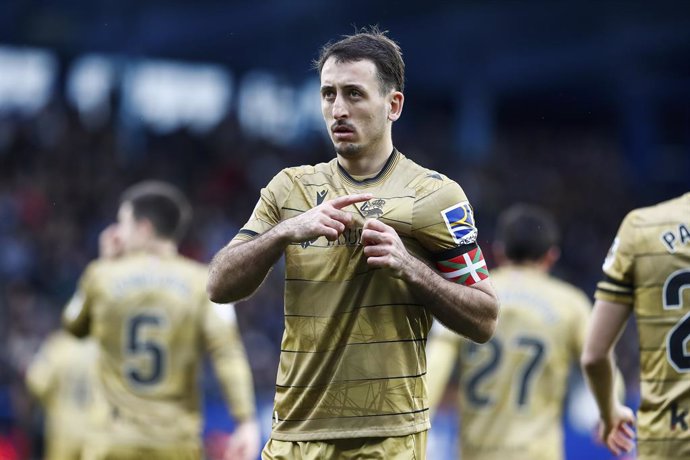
x,y
395,105
551,257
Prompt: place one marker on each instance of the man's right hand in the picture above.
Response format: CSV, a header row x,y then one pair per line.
x,y
327,219
244,442
110,244
617,433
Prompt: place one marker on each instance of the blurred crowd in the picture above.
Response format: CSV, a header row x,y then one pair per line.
x,y
60,182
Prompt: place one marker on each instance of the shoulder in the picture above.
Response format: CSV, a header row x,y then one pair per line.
x,y
190,266
425,181
98,269
572,297
296,173
656,213
635,226
568,289
287,179
56,340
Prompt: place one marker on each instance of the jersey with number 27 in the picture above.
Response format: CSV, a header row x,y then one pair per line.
x,y
648,267
513,387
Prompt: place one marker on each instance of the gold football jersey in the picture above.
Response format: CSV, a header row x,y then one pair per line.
x,y
352,361
512,388
648,267
63,377
153,322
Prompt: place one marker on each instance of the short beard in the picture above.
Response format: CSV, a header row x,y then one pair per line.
x,y
348,150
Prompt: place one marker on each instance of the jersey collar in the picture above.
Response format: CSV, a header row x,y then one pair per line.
x,y
378,178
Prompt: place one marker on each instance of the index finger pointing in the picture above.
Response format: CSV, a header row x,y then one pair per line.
x,y
342,201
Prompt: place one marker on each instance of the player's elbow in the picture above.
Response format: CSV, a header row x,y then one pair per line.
x,y
489,324
485,331
485,335
592,359
217,294
221,291
486,327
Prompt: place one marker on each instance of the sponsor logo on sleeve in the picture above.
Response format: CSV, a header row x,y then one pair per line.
x,y
459,220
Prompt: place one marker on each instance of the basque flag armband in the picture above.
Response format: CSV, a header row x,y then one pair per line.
x,y
464,265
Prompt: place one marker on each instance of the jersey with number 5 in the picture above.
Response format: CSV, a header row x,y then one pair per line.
x,y
648,267
153,322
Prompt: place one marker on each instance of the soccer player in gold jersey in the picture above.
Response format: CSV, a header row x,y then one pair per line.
x,y
374,245
512,389
149,312
646,273
63,379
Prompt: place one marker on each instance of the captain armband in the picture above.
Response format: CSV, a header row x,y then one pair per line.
x,y
463,265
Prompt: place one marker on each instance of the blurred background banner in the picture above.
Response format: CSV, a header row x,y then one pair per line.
x,y
580,107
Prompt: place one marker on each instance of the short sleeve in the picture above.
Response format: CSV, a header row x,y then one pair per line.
x,y
444,219
444,224
76,317
267,212
618,282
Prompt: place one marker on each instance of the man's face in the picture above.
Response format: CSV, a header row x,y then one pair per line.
x,y
355,111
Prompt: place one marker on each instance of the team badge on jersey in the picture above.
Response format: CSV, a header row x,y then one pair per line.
x,y
459,219
467,268
373,208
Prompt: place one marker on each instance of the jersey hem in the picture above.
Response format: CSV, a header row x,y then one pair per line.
x,y
366,433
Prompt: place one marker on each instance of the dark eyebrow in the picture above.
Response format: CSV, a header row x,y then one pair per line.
x,y
345,88
355,86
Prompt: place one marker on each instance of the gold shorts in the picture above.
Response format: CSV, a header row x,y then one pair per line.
x,y
95,451
410,447
63,449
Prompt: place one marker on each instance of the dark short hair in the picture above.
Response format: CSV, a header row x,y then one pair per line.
x,y
371,44
163,204
526,232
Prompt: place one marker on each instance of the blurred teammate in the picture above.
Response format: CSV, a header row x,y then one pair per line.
x,y
149,312
512,389
359,234
647,272
62,377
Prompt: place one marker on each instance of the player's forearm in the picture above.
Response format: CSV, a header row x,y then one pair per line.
x,y
238,270
238,388
599,374
469,311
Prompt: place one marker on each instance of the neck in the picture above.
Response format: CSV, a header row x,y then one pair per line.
x,y
158,247
369,162
539,265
